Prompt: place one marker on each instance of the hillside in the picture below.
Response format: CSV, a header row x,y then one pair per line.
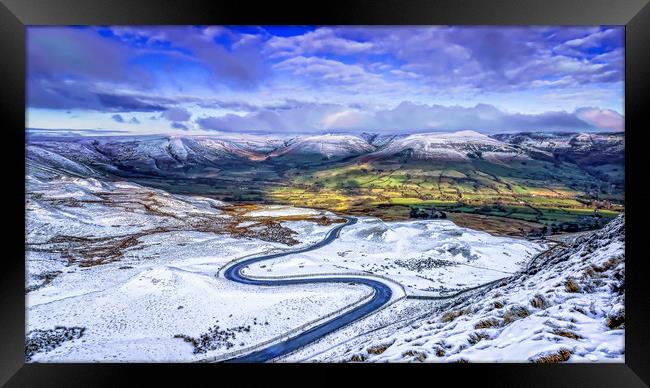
x,y
582,148
98,246
539,180
456,146
567,306
600,154
324,146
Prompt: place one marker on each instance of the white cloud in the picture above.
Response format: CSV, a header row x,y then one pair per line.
x,y
602,118
346,78
411,117
322,40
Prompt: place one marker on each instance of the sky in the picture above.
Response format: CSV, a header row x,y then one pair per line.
x,y
304,79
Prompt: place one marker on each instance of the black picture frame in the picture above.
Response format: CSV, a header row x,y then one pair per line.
x,y
16,14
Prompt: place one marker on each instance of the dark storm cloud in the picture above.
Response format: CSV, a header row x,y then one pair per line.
x,y
118,118
177,114
176,125
76,95
116,102
76,53
79,68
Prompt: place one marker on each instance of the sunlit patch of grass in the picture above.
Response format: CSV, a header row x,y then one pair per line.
x,y
534,191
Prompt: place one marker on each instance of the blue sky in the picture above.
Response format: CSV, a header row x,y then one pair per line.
x,y
215,79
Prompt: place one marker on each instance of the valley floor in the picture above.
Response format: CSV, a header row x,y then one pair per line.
x,y
121,272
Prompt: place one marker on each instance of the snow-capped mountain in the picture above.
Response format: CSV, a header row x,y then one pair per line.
x,y
144,154
50,159
178,152
454,146
328,146
379,140
87,229
169,155
581,148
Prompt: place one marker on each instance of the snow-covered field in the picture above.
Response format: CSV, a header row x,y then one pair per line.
x,y
428,257
122,272
133,314
163,284
281,211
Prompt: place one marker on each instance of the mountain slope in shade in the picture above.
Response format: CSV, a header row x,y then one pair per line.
x,y
580,148
568,305
49,159
379,140
158,154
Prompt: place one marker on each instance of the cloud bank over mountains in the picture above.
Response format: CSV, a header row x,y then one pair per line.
x,y
307,79
410,117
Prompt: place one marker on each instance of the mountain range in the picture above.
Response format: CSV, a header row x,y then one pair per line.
x,y
545,178
168,150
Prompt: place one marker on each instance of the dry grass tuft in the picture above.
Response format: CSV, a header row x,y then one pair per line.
x,y
358,358
539,302
571,285
379,349
561,355
498,304
612,262
616,321
567,334
419,356
487,323
515,313
477,337
451,315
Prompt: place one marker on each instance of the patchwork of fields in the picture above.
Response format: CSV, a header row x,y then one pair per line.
x,y
535,191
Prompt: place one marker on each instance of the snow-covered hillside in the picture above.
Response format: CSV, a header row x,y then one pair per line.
x,y
172,154
430,257
121,272
159,151
567,306
329,146
582,148
118,271
455,146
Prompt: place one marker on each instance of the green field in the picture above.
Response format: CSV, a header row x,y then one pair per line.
x,y
535,192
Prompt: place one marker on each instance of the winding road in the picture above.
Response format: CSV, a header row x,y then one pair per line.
x,y
380,297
